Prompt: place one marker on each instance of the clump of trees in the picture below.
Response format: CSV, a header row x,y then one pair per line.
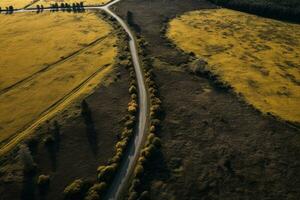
x,y
8,10
77,189
74,190
39,8
271,9
106,173
75,7
95,191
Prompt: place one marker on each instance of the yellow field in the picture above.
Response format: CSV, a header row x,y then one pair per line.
x,y
258,57
47,3
47,60
15,3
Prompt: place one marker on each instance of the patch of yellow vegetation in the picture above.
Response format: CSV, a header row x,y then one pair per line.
x,y
47,3
34,40
258,57
15,3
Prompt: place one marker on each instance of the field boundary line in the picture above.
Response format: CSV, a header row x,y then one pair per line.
x,y
54,64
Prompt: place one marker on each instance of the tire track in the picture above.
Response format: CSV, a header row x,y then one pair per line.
x,y
46,114
51,66
33,2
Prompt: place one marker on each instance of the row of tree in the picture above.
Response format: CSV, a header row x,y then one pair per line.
x,y
75,7
7,10
153,143
263,8
105,173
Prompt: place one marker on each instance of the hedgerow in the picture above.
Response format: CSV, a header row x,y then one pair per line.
x,y
152,143
106,173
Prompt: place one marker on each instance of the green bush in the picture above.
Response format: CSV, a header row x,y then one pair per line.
x,y
96,191
127,132
142,160
92,195
134,97
43,182
105,173
74,190
138,171
156,142
132,90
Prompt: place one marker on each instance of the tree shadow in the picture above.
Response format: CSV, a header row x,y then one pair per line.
x,y
92,137
91,132
52,156
29,187
53,145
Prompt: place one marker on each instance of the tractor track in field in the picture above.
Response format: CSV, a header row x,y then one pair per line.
x,y
51,110
52,65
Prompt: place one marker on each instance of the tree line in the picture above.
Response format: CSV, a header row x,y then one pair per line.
x,y
7,10
75,7
151,149
263,8
83,189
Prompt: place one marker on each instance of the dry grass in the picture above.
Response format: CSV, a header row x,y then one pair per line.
x,y
15,3
47,3
258,57
32,43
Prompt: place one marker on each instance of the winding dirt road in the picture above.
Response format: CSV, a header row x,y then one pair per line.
x,y
124,173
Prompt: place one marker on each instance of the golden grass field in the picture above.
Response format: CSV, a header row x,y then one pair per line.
x,y
15,3
47,3
258,57
48,60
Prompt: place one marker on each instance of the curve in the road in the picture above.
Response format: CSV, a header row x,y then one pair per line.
x,y
123,175
126,168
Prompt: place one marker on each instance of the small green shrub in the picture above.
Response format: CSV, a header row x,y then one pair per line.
x,y
138,171
74,190
96,191
43,180
132,90
106,173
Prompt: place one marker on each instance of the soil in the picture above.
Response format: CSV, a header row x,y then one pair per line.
x,y
215,146
77,154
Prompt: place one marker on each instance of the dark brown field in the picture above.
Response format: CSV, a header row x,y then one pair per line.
x,y
78,154
215,146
